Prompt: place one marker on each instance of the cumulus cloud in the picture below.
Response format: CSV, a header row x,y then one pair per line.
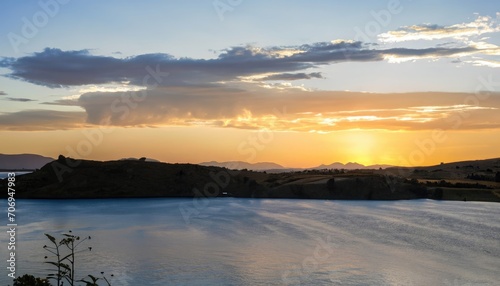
x,y
57,68
482,25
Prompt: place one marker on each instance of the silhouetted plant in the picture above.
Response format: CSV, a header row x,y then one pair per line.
x,y
63,252
65,264
91,280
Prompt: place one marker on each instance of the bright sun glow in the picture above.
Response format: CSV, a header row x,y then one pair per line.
x,y
361,146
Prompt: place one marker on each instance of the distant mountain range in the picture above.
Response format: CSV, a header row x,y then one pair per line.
x,y
23,161
139,159
33,161
273,167
239,165
350,166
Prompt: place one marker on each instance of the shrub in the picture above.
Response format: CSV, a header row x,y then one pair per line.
x,y
30,280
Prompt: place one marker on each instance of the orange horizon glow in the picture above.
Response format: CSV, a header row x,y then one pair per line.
x,y
303,150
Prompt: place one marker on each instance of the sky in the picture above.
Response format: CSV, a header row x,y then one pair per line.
x,y
298,83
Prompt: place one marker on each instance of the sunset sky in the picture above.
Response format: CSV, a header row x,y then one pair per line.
x,y
299,83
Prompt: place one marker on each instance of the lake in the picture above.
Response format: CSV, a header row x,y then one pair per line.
x,y
230,241
4,175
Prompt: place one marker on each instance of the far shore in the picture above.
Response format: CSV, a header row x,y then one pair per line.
x,y
61,179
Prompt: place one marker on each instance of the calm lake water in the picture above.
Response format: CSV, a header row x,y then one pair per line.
x,y
230,241
5,174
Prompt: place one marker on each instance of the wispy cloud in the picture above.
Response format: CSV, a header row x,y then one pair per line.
x,y
3,93
301,111
37,120
466,36
292,76
483,62
463,31
19,99
397,55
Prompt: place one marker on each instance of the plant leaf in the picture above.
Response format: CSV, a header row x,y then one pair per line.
x,y
51,238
